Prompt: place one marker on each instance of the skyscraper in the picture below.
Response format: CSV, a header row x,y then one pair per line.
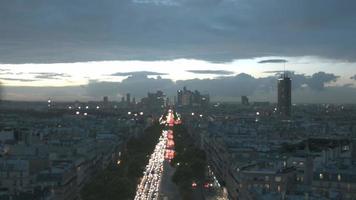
x,y
284,95
105,102
128,98
244,100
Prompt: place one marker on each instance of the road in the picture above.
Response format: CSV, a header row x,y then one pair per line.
x,y
168,189
151,181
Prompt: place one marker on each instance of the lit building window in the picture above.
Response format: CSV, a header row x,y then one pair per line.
x,y
321,176
339,177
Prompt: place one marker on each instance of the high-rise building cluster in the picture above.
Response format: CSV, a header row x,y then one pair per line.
x,y
186,97
154,100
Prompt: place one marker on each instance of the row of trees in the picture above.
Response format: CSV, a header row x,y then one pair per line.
x,y
190,162
120,181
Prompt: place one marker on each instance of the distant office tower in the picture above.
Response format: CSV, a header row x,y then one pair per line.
x,y
154,100
105,101
244,100
188,98
284,95
122,99
134,100
128,98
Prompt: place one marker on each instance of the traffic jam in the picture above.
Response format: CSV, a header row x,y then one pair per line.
x,y
164,150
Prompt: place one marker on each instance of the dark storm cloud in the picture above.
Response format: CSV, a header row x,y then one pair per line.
x,y
273,61
353,77
318,80
138,73
215,30
213,72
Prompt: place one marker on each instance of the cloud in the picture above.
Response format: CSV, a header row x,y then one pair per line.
x,y
138,73
158,2
273,61
213,72
318,80
213,30
18,79
353,77
50,75
348,85
278,72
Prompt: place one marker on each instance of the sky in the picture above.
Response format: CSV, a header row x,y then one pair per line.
x,y
86,49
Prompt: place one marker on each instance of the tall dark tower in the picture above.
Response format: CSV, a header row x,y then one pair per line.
x,y
284,95
128,98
